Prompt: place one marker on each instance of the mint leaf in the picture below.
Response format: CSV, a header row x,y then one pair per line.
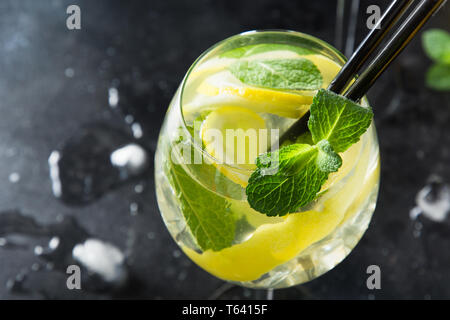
x,y
207,215
438,77
291,177
337,119
436,43
293,74
301,171
327,159
250,50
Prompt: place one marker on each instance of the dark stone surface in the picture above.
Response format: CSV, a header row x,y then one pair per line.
x,y
54,81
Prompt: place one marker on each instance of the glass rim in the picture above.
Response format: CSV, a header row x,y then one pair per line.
x,y
192,140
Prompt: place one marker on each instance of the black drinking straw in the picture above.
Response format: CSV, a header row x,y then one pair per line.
x,y
368,45
402,37
398,42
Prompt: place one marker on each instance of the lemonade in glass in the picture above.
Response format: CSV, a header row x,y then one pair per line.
x,y
214,129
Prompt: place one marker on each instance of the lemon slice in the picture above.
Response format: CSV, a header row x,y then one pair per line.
x,y
223,89
234,136
269,246
327,67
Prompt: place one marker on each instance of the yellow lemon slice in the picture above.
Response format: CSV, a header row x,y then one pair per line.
x,y
223,89
234,136
327,67
269,246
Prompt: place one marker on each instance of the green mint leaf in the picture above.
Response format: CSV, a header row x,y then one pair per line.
x,y
338,120
327,159
250,50
438,77
304,138
207,215
293,74
291,177
436,43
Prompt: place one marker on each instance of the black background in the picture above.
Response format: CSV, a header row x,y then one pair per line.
x,y
148,46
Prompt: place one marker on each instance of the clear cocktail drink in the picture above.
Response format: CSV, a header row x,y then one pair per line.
x,y
214,128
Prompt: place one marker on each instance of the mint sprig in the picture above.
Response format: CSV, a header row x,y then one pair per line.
x,y
292,74
290,178
436,44
338,120
438,77
302,170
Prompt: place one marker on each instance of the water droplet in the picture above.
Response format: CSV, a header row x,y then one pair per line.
x,y
131,157
176,254
414,213
134,208
137,130
113,97
139,188
53,162
103,259
129,119
35,267
38,250
433,200
14,177
54,243
69,72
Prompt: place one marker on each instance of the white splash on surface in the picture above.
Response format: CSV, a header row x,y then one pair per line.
x,y
54,173
131,157
69,72
137,130
101,258
113,97
14,177
433,201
